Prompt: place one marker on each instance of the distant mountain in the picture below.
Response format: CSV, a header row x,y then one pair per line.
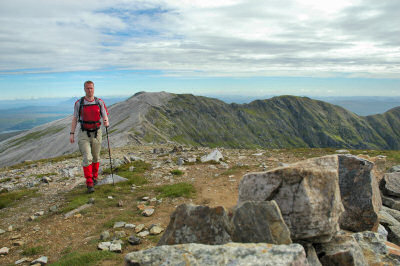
x,y
279,122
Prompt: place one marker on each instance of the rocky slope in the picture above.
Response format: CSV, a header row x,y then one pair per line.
x,y
285,121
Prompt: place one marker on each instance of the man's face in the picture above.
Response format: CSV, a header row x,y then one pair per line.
x,y
89,90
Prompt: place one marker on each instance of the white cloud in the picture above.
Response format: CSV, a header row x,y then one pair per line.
x,y
203,38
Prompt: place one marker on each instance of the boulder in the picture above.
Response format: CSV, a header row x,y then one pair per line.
x,y
386,219
42,261
307,194
259,222
341,250
228,254
390,184
215,156
391,202
395,168
312,257
197,224
393,234
360,194
394,213
110,179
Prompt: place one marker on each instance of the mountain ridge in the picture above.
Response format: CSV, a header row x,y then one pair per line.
x,y
280,122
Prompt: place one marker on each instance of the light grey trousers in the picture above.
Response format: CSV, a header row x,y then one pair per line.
x,y
90,147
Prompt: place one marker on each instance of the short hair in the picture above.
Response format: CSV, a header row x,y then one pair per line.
x,y
88,82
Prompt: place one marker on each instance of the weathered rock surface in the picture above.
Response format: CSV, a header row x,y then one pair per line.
x,y
391,202
42,261
307,194
215,156
4,250
197,224
390,184
259,222
360,194
341,250
395,168
312,257
109,180
228,254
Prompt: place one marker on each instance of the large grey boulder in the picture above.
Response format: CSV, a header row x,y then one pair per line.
x,y
214,156
360,194
259,222
341,250
307,194
197,224
390,184
228,254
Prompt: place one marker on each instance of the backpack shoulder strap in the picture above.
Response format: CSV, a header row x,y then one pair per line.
x,y
98,103
81,103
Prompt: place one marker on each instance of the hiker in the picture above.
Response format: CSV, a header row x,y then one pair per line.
x,y
88,111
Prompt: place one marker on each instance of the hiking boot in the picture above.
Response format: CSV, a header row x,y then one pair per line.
x,y
90,189
94,182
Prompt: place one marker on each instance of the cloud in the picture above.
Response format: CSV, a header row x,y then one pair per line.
x,y
203,38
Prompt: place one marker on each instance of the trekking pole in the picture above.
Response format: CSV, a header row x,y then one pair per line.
x,y
109,154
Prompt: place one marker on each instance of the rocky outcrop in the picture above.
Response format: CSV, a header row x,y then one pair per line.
x,y
197,224
390,184
259,222
307,194
228,254
360,194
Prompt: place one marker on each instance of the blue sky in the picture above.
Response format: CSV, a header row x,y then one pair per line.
x,y
301,47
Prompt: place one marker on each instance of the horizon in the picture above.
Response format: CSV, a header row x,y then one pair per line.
x,y
297,47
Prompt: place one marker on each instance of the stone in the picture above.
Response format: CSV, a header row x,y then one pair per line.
x,y
36,228
39,213
127,159
146,198
156,230
53,208
136,158
110,197
382,231
342,151
10,228
21,261
110,179
259,222
133,240
71,213
46,179
120,203
131,168
360,194
143,233
394,234
32,217
119,224
228,254
312,256
390,184
341,250
139,228
119,234
375,249
148,212
307,194
116,247
69,172
42,260
197,224
215,156
91,201
386,219
130,226
394,213
2,231
192,160
104,245
18,243
105,235
14,237
4,251
391,202
180,161
395,168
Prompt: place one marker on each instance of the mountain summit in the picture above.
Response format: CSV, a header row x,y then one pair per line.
x,y
279,122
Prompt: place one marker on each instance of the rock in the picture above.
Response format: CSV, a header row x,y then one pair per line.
x,y
197,224
307,194
139,228
391,202
36,228
120,203
394,213
78,215
390,184
394,234
2,231
32,217
46,179
312,257
21,261
283,164
386,219
119,234
146,198
10,228
91,201
131,168
135,158
228,254
133,240
69,214
143,233
110,197
341,250
117,162
215,156
127,159
395,168
148,212
104,245
130,226
4,251
375,249
14,237
342,151
382,232
192,160
18,243
105,235
119,224
42,260
53,208
259,222
109,180
360,194
116,247
180,161
156,230
69,172
39,213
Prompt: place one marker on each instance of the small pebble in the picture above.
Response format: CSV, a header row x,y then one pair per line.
x,y
133,240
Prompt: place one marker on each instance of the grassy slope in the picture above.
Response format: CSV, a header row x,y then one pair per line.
x,y
285,121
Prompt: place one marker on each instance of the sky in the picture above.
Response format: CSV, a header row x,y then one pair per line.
x,y
48,48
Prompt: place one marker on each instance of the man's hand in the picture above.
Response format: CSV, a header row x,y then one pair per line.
x,y
71,138
106,124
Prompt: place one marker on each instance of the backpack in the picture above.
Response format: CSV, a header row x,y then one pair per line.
x,y
90,116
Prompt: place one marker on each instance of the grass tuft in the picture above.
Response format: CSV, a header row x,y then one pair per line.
x,y
177,190
176,172
8,199
32,250
85,258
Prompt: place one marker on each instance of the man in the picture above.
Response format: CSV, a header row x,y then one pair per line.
x,y
88,111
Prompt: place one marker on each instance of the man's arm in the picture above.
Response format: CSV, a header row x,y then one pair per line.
x,y
73,127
